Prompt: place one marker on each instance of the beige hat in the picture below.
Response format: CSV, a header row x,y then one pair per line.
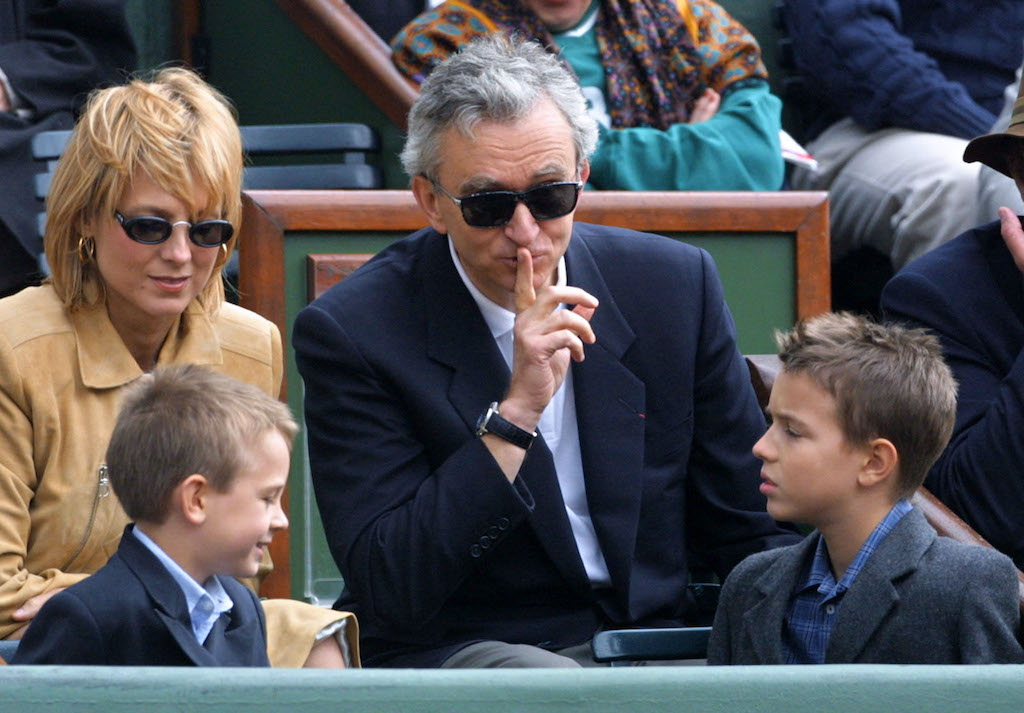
x,y
992,149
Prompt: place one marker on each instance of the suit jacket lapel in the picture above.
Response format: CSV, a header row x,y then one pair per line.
x,y
168,599
234,637
610,405
873,595
458,337
764,621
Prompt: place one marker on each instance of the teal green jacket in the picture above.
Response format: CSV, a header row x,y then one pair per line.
x,y
736,150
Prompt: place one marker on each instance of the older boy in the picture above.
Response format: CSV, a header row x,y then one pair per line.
x,y
199,461
859,413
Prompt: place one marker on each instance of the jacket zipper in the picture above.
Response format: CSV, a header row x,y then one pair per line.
x,y
102,491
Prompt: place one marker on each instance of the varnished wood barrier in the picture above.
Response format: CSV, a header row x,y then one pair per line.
x,y
360,52
268,215
763,370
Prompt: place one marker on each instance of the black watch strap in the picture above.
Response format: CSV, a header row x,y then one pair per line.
x,y
492,422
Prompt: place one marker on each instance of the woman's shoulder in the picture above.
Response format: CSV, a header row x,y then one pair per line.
x,y
231,316
244,331
32,313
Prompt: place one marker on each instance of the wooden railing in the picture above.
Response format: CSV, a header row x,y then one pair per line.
x,y
269,214
360,52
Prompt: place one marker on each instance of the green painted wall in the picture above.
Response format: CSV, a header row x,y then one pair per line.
x,y
276,75
152,26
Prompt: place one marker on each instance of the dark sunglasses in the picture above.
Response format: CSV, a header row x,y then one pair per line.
x,y
491,209
152,230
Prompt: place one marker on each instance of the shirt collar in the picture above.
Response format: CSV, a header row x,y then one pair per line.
x,y
585,25
194,592
105,362
499,320
820,574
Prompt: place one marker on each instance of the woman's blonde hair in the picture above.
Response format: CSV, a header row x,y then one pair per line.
x,y
177,128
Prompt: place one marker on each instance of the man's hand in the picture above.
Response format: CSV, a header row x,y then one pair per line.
x,y
5,101
705,107
545,339
1013,235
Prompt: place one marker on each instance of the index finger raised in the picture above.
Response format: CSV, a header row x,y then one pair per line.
x,y
525,294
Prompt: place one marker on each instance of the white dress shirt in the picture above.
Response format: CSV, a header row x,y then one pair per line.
x,y
557,425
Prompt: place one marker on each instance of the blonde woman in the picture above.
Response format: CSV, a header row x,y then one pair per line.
x,y
143,213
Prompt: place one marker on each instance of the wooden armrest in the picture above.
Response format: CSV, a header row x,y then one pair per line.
x,y
764,368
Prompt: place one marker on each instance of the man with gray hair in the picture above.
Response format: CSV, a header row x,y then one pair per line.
x,y
520,426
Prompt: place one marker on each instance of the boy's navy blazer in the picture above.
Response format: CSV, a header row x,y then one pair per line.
x,y
920,599
132,613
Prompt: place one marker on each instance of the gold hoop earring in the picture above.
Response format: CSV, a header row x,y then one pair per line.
x,y
86,250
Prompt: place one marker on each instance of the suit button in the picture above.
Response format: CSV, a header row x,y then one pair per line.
x,y
503,523
485,542
493,532
475,551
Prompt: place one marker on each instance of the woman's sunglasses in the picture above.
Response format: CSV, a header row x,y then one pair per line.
x,y
491,209
152,230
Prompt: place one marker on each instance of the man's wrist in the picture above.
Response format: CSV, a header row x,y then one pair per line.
x,y
493,422
522,416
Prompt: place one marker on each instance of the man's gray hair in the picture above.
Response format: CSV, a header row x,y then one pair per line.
x,y
494,78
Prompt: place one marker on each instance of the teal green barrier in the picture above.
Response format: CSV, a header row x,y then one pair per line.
x,y
791,689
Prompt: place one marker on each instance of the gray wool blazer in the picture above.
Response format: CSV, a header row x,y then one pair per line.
x,y
920,599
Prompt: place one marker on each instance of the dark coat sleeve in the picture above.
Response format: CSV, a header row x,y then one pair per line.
x,y
399,522
979,476
63,632
66,49
854,54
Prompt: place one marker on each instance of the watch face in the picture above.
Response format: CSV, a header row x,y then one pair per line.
x,y
481,423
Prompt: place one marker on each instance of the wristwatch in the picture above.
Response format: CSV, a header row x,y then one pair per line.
x,y
492,422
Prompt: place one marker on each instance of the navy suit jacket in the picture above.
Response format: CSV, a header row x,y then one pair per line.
x,y
920,599
436,547
971,295
131,612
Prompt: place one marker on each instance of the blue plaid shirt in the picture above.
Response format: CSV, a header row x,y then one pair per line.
x,y
815,602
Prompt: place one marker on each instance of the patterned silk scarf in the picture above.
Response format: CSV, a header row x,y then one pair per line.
x,y
655,70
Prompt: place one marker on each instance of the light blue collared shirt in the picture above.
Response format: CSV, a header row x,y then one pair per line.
x,y
205,602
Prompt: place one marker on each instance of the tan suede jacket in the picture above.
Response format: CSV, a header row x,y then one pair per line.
x,y
61,376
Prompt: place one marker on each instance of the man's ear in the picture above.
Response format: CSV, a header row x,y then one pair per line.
x,y
427,197
190,498
585,171
881,463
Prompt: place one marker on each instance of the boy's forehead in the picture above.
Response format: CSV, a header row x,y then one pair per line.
x,y
796,394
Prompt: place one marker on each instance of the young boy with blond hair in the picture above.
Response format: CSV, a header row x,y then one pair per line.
x,y
859,413
199,461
